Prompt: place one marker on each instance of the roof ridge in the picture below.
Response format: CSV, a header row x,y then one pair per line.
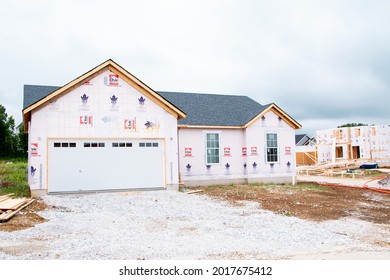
x,y
30,85
200,93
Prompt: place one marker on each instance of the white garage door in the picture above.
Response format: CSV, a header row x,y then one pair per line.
x,y
89,165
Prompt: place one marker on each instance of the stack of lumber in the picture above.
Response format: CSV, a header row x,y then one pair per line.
x,y
10,206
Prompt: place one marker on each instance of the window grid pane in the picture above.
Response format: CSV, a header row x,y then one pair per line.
x,y
212,147
272,147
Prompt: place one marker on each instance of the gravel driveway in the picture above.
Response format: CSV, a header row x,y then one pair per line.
x,y
174,225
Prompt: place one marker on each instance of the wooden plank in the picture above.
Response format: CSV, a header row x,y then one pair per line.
x,y
196,191
9,214
5,197
11,203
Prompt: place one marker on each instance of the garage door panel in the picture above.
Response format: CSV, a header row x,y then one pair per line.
x,y
104,165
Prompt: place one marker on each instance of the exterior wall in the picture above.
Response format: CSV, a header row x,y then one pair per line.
x,y
371,142
193,165
100,110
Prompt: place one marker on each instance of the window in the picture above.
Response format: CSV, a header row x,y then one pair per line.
x,y
64,145
148,144
212,148
272,147
122,144
94,145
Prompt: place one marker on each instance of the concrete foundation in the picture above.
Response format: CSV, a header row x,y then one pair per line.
x,y
205,183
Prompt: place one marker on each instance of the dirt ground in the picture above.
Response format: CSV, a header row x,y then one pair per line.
x,y
311,201
306,201
27,217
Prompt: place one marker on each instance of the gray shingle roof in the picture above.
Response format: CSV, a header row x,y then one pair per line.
x,y
214,109
298,137
33,93
301,139
201,109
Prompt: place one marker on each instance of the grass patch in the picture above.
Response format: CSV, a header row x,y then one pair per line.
x,y
13,177
309,186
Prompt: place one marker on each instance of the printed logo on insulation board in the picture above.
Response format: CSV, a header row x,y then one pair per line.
x,y
188,152
113,80
34,149
84,102
226,152
244,151
86,120
152,126
130,124
141,104
254,151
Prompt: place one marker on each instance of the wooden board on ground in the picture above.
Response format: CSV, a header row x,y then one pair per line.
x,y
9,213
196,191
4,197
12,203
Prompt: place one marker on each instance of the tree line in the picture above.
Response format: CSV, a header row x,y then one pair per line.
x,y
13,142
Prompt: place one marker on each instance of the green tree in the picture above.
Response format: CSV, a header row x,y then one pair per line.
x,y
22,142
8,143
352,125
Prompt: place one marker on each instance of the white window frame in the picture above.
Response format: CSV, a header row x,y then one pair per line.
x,y
215,148
272,147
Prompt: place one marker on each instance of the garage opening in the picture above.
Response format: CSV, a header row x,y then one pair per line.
x,y
98,165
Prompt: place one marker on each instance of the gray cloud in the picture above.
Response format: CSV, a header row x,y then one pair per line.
x,y
323,62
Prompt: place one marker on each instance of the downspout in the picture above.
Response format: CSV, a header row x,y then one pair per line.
x,y
178,157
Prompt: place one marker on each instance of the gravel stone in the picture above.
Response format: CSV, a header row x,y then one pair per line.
x,y
173,225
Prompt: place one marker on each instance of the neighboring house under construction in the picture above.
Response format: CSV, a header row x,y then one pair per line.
x,y
371,143
305,149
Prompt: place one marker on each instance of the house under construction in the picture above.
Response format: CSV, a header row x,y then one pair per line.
x,y
365,143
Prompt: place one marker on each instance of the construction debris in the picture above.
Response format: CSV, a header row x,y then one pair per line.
x,y
196,191
10,206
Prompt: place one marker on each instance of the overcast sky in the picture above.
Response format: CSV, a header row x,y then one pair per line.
x,y
325,63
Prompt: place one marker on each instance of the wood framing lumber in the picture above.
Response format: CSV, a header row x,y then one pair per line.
x,y
12,203
9,214
5,197
196,191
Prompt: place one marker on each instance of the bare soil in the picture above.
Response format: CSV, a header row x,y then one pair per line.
x,y
311,202
27,217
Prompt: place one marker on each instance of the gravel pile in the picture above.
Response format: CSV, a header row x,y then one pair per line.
x,y
384,183
172,225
